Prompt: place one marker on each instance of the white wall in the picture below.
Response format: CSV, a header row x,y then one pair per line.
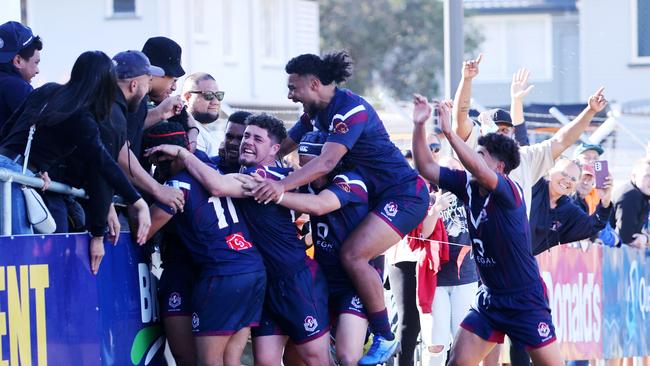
x,y
226,38
606,52
10,10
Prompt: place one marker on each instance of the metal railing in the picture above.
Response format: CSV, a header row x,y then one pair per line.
x,y
8,177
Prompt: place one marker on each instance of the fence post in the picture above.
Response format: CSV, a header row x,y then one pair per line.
x,y
6,207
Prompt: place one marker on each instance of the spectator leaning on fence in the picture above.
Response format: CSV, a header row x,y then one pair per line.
x,y
631,207
20,53
66,118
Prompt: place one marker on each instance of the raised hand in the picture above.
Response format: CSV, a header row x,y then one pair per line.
x,y
605,194
444,115
519,87
470,67
597,101
421,109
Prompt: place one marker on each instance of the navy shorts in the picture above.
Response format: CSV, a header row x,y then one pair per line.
x,y
175,289
403,207
524,316
225,304
346,303
296,306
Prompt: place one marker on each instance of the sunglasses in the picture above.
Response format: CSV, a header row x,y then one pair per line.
x,y
209,95
435,148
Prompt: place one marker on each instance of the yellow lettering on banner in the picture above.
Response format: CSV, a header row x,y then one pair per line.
x,y
39,280
3,318
18,305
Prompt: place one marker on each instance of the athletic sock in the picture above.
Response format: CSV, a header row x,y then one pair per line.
x,y
379,324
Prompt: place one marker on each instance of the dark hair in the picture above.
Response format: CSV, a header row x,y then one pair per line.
x,y
192,81
239,117
502,148
333,67
92,86
171,133
273,126
27,52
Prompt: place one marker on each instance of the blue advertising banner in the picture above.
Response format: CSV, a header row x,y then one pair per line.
x,y
626,302
54,310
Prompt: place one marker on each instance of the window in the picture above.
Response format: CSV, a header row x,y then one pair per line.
x,y
122,8
640,31
227,30
511,42
270,33
198,21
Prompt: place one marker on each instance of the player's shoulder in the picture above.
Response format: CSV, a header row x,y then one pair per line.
x,y
269,172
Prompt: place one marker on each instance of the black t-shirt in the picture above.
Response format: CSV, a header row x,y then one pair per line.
x,y
455,220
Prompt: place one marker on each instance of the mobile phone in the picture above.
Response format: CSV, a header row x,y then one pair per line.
x,y
602,171
435,114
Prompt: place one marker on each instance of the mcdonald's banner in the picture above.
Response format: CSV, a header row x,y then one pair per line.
x,y
600,299
53,310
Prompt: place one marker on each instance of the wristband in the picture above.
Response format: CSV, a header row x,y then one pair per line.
x,y
280,199
194,128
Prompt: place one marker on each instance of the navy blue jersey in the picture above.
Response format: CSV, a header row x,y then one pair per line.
x,y
330,231
499,230
351,121
213,229
273,229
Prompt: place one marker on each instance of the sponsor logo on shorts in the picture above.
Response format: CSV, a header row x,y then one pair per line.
x,y
310,323
341,128
174,300
195,320
356,302
390,209
543,329
237,241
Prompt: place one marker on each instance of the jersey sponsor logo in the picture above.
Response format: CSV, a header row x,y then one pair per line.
x,y
356,302
237,241
341,127
344,186
261,172
310,323
390,209
195,320
175,300
543,329
302,148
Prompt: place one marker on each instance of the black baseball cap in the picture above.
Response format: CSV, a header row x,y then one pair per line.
x,y
498,115
13,38
131,64
166,54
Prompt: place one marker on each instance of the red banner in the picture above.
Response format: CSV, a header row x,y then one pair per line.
x,y
574,282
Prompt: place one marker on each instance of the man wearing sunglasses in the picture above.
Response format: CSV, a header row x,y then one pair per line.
x,y
202,98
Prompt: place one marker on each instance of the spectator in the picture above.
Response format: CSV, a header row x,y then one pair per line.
x,y
556,219
66,118
587,154
536,159
586,196
631,208
20,54
457,280
202,98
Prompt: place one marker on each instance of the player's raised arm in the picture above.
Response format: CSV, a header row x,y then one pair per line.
x,y
462,124
424,162
473,161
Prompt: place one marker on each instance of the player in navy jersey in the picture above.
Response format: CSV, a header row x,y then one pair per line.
x,y
336,204
228,296
296,298
512,299
357,137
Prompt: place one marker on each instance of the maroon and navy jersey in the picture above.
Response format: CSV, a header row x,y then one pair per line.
x,y
330,231
499,230
352,122
273,229
213,229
